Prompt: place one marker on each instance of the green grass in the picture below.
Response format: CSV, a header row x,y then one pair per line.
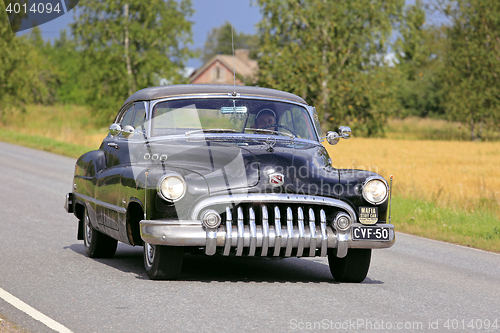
x,y
479,229
43,143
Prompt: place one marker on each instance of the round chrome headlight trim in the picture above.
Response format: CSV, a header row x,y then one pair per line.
x,y
375,190
171,187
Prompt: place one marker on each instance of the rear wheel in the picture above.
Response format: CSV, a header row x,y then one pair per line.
x,y
97,244
163,262
352,268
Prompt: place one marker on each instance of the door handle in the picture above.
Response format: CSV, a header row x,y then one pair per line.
x,y
114,145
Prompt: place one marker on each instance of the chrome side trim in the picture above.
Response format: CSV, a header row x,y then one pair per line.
x,y
272,198
312,230
277,232
241,233
253,233
87,199
302,238
229,232
324,237
289,229
265,231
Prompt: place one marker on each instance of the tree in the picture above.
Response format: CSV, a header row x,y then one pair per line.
x,y
420,54
129,45
472,69
331,53
22,80
219,42
68,61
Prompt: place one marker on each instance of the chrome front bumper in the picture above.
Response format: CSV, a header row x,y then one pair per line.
x,y
257,240
68,205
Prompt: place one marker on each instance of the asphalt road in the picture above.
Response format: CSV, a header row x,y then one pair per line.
x,y
419,285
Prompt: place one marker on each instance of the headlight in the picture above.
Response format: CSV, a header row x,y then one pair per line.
x,y
172,187
375,191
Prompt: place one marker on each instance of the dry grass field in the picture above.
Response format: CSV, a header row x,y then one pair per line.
x,y
455,174
64,123
415,128
445,190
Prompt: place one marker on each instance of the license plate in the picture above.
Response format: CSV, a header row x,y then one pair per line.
x,y
371,233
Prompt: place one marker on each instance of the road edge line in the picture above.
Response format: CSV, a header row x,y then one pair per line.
x,y
32,312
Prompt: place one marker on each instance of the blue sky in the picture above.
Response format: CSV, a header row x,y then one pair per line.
x,y
208,14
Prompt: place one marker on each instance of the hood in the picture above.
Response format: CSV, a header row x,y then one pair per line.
x,y
248,166
305,168
224,165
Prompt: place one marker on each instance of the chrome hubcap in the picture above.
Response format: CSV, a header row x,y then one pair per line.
x,y
88,230
150,252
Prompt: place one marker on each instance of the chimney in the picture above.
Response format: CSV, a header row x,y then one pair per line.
x,y
242,54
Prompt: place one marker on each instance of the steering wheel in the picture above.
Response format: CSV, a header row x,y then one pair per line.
x,y
280,126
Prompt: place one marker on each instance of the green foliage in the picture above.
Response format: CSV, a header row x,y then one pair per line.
x,y
45,71
219,42
331,54
23,77
130,45
420,53
68,61
472,68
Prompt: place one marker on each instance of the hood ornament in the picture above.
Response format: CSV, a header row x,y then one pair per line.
x,y
276,179
270,142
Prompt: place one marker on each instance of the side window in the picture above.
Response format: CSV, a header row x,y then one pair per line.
x,y
135,116
139,117
127,117
296,120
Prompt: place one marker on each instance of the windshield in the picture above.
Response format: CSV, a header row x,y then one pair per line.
x,y
227,115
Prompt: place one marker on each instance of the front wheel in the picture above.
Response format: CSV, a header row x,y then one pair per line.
x,y
97,244
163,262
353,267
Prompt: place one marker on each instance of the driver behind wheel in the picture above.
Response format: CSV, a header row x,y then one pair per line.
x,y
264,118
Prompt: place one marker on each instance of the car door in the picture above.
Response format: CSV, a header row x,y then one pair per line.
x,y
110,204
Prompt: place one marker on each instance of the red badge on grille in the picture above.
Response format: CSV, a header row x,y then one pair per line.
x,y
276,179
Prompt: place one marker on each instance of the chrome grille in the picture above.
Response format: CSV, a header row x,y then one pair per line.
x,y
273,230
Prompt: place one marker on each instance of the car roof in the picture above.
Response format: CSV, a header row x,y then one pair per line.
x,y
209,89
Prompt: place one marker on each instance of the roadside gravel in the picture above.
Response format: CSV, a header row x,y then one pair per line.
x,y
8,327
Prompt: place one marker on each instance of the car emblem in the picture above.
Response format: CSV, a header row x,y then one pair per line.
x,y
276,179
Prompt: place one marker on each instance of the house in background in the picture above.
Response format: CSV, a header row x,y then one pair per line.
x,y
219,69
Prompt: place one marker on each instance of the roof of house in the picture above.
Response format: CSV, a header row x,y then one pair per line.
x,y
244,68
209,89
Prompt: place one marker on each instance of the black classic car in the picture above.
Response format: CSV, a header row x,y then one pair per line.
x,y
224,170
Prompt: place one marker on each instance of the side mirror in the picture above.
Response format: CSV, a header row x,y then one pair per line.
x,y
128,131
115,129
332,138
345,132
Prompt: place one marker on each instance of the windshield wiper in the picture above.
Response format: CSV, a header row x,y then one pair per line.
x,y
211,130
261,130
